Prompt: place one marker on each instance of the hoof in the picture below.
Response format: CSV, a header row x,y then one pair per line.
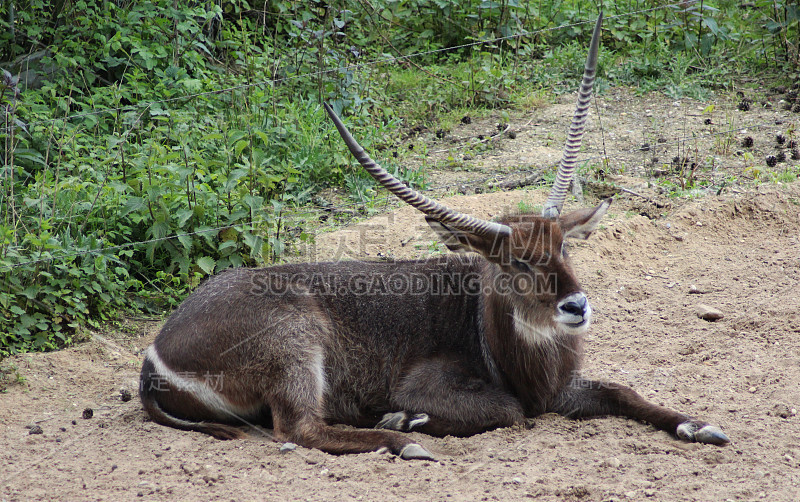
x,y
401,421
395,421
702,432
417,420
711,435
414,451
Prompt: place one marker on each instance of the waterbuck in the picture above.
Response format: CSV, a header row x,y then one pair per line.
x,y
454,345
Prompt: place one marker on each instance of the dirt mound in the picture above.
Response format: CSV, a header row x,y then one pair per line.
x,y
645,276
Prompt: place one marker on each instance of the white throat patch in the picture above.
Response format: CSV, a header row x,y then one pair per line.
x,y
532,333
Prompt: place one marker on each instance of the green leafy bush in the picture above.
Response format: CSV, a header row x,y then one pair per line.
x,y
115,185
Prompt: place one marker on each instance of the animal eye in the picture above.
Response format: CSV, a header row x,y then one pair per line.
x,y
520,265
544,259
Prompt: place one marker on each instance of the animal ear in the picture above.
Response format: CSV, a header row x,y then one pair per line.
x,y
492,248
581,223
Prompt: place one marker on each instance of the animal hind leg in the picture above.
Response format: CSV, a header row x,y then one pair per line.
x,y
313,432
297,402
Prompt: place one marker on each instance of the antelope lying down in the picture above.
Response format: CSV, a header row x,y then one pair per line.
x,y
455,345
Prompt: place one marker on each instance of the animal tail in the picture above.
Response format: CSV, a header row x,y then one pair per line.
x,y
151,385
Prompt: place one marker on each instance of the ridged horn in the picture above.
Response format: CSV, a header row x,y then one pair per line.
x,y
429,207
552,208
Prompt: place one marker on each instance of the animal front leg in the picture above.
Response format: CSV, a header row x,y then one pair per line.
x,y
438,397
588,398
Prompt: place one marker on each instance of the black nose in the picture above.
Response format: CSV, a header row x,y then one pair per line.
x,y
572,308
576,306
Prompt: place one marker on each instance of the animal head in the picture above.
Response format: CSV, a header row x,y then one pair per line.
x,y
528,249
533,266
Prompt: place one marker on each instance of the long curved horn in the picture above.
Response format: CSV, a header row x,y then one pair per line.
x,y
552,208
430,207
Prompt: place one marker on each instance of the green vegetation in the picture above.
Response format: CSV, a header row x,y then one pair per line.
x,y
160,142
10,375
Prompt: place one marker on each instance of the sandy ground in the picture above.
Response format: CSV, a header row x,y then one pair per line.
x,y
645,272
